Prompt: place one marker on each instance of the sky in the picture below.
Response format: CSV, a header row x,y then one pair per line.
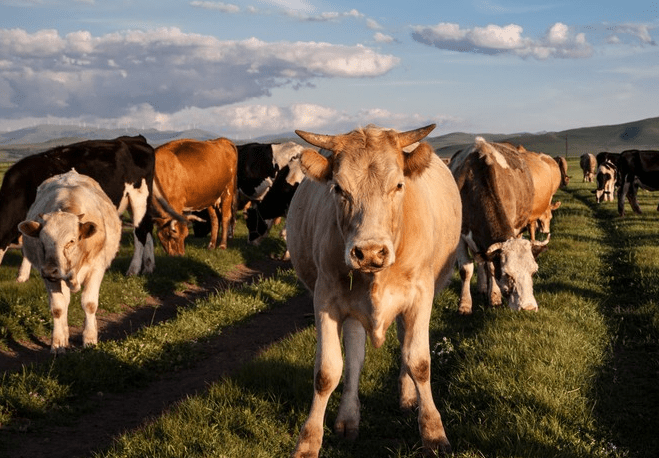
x,y
249,68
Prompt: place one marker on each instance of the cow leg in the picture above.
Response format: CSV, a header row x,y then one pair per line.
x,y
212,215
481,278
406,388
142,226
354,342
633,189
227,217
532,228
59,296
327,373
623,189
466,267
416,361
89,302
24,271
493,291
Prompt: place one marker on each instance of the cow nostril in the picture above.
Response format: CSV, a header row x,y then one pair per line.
x,y
358,253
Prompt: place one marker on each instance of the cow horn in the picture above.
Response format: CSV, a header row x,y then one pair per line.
x,y
319,140
413,136
494,247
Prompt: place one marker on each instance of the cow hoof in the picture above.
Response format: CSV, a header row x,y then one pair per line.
x,y
438,448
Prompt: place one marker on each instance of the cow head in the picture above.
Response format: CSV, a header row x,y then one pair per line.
x,y
257,227
606,176
172,234
366,175
61,237
512,265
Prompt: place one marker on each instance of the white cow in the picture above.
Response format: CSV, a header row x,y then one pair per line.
x,y
373,234
71,235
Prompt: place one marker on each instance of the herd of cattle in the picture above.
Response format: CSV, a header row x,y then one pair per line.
x,y
375,222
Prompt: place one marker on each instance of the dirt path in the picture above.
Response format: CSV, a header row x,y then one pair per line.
x,y
117,413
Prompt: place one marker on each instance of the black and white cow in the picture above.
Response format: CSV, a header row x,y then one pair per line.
x,y
636,168
268,175
606,176
124,169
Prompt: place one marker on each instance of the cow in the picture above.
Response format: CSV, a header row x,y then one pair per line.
x,y
372,233
275,203
268,175
497,191
546,176
588,164
71,234
606,178
636,168
562,165
192,175
124,169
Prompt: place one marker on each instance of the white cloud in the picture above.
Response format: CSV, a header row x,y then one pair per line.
x,y
80,74
323,17
559,41
295,5
219,6
640,31
244,121
382,38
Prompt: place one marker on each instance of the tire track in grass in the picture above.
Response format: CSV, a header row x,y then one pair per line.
x,y
628,397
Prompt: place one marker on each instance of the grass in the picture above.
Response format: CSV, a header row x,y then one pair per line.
x,y
576,379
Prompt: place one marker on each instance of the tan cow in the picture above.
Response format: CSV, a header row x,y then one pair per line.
x,y
562,165
497,191
588,163
71,235
372,232
546,176
193,175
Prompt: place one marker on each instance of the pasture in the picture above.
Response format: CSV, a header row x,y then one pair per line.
x,y
212,356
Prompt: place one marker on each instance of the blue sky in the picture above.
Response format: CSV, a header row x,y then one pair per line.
x,y
246,68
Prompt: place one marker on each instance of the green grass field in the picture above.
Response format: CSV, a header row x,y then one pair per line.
x,y
579,378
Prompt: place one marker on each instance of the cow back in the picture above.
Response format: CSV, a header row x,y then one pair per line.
x,y
112,163
497,191
192,175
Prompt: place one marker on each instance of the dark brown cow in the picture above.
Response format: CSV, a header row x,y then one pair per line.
x,y
194,175
562,165
497,193
372,233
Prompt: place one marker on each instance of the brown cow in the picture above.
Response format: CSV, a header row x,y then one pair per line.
x,y
588,163
373,234
497,191
562,165
546,180
193,175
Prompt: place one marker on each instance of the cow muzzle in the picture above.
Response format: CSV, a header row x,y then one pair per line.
x,y
370,256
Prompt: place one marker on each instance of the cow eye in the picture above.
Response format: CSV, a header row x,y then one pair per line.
x,y
400,186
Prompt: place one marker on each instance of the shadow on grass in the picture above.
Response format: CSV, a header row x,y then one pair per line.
x,y
628,386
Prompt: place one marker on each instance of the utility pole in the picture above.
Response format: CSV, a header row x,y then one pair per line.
x,y
566,146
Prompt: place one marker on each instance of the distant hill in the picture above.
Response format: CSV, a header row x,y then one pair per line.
x,y
643,134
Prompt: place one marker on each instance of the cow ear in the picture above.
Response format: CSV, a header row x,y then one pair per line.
x,y
555,205
86,229
30,228
316,166
418,160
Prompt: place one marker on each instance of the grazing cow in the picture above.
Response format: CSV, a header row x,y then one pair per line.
x,y
607,175
562,165
268,175
192,175
124,169
588,164
275,203
546,176
497,193
372,232
636,168
606,178
71,234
